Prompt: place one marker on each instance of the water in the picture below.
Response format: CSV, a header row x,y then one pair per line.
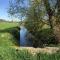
x,y
23,37
23,33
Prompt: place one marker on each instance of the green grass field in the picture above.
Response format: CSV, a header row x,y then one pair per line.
x,y
7,31
8,53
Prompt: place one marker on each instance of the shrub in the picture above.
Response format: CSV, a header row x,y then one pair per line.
x,y
44,37
47,36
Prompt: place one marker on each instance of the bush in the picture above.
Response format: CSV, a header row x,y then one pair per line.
x,y
47,36
44,37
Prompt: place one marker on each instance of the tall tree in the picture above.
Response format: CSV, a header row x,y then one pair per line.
x,y
33,11
55,13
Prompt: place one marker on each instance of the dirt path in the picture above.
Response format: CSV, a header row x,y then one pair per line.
x,y
37,50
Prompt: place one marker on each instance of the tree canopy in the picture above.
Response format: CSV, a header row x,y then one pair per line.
x,y
35,14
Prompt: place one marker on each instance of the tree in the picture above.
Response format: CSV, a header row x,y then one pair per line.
x,y
49,12
33,11
57,22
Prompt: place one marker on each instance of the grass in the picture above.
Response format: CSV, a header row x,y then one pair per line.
x,y
55,56
8,34
7,31
5,25
8,53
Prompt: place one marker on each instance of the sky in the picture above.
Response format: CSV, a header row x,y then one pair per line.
x,y
4,4
3,9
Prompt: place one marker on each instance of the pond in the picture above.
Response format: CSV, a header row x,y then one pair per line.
x,y
23,37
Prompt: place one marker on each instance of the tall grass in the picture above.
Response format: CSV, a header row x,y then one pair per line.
x,y
55,56
8,53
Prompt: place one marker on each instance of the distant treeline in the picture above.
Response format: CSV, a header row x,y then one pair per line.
x,y
3,20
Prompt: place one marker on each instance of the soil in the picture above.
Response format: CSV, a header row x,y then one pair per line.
x,y
32,50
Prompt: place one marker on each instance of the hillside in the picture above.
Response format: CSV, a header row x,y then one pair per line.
x,y
9,49
3,20
7,36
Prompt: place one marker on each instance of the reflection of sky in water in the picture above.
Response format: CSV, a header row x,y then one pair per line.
x,y
23,33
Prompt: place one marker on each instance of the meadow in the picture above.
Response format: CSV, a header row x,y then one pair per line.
x,y
9,37
8,31
8,53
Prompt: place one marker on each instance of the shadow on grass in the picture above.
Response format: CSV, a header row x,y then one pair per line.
x,y
14,32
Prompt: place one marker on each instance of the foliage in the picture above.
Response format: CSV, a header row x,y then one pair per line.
x,y
44,37
34,12
47,37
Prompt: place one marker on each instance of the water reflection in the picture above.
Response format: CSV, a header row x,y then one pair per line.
x,y
23,32
24,41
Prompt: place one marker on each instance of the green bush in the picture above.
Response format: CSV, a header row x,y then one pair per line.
x,y
47,36
44,37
